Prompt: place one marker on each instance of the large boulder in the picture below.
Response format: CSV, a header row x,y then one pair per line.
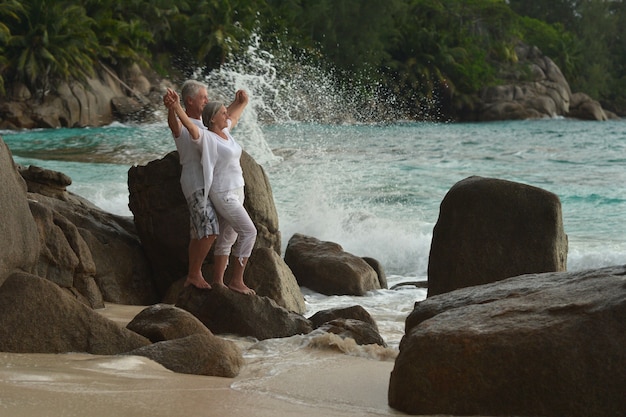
x,y
197,354
326,268
161,217
84,248
19,244
183,344
541,345
537,89
355,312
490,229
361,332
161,214
226,311
36,316
585,108
259,203
161,322
534,87
270,276
77,104
266,273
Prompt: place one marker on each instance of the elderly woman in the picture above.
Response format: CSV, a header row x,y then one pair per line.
x,y
227,193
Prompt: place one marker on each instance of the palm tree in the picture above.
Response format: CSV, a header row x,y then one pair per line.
x,y
54,40
9,11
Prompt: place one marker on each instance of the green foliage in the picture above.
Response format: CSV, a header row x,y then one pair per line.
x,y
10,11
49,41
425,51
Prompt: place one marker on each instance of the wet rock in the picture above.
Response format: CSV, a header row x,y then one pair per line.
x,y
226,311
355,312
363,333
490,229
585,108
161,214
326,268
36,316
197,354
80,242
270,276
535,345
19,244
165,322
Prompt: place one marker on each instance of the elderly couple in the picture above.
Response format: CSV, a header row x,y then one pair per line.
x,y
212,182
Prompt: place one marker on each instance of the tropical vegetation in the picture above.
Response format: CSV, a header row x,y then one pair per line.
x,y
423,51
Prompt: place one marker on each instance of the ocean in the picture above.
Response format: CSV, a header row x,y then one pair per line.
x,y
376,188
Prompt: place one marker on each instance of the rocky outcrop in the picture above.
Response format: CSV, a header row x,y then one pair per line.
x,y
536,89
183,344
355,312
540,345
19,244
36,316
270,276
326,268
92,253
349,322
198,354
361,332
225,311
161,322
161,214
97,102
584,107
490,229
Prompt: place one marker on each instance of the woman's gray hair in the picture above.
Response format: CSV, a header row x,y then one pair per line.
x,y
191,88
209,111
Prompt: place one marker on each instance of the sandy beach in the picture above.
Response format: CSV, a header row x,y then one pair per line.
x,y
291,381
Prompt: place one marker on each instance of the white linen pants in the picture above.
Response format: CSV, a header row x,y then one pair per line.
x,y
235,224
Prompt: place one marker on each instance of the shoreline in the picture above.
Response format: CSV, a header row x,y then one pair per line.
x,y
302,381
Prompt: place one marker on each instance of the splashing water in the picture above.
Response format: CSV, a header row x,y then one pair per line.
x,y
284,89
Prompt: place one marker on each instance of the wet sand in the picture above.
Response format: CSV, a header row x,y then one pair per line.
x,y
292,382
84,385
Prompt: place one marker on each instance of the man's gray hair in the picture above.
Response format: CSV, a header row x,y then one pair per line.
x,y
190,89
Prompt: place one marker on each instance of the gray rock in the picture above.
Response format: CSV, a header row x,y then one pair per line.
x,y
355,312
226,311
80,243
270,276
326,268
36,316
541,345
161,322
161,215
361,332
197,354
490,229
19,244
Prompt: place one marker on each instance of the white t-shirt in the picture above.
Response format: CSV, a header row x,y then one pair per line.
x,y
227,174
191,177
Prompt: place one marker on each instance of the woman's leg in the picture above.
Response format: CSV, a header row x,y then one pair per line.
x,y
234,217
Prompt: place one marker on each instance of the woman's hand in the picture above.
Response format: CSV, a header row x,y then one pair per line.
x,y
241,97
170,98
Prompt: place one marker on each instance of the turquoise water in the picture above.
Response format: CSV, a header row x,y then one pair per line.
x,y
376,189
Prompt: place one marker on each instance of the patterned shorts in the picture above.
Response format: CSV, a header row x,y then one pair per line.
x,y
203,220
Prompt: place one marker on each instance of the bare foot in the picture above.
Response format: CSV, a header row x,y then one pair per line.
x,y
199,283
220,284
242,289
